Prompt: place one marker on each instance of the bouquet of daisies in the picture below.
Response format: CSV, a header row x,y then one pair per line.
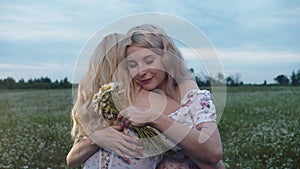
x,y
107,104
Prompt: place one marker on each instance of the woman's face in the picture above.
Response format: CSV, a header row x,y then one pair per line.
x,y
146,68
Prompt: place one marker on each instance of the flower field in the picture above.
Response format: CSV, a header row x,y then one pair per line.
x,y
259,128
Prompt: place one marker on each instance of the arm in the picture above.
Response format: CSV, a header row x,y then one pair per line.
x,y
203,145
111,138
82,149
202,142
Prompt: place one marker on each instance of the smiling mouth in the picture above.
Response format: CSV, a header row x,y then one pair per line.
x,y
146,81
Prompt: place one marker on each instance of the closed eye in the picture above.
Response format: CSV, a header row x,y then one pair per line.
x,y
149,59
131,64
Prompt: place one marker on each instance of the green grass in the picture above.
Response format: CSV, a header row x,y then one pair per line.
x,y
35,127
259,128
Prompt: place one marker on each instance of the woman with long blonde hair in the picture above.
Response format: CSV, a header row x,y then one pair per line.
x,y
91,131
154,62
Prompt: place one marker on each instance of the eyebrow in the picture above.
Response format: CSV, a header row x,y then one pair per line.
x,y
147,56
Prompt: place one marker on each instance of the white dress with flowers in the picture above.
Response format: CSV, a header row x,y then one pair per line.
x,y
196,107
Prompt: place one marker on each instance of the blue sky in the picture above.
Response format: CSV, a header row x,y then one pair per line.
x,y
257,39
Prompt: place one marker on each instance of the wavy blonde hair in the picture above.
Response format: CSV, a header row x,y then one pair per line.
x,y
102,66
154,38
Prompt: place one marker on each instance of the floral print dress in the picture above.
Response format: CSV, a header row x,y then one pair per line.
x,y
196,107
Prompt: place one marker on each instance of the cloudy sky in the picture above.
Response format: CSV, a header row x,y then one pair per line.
x,y
257,39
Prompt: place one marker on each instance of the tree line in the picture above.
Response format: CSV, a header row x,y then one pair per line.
x,y
36,83
220,79
236,79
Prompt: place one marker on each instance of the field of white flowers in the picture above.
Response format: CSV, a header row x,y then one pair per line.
x,y
35,127
259,128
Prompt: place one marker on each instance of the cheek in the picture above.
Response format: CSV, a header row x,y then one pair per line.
x,y
161,66
161,73
132,73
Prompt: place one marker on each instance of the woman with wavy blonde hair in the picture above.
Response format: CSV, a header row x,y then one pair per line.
x,y
154,62
101,68
91,131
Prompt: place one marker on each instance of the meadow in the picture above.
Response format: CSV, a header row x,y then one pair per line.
x,y
259,128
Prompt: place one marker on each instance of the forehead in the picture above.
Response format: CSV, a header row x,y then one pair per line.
x,y
138,52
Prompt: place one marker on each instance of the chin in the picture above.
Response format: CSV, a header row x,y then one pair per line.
x,y
149,88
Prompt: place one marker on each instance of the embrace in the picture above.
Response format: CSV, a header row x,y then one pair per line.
x,y
158,92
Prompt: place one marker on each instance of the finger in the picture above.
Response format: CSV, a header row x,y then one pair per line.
x,y
134,124
122,119
125,137
126,159
120,116
135,148
116,127
119,128
123,126
131,153
131,139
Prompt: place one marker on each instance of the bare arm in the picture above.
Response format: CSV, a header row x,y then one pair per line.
x,y
80,152
202,143
112,138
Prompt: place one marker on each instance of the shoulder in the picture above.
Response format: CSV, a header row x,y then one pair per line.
x,y
186,86
140,98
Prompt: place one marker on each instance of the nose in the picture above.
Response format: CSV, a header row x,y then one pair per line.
x,y
142,73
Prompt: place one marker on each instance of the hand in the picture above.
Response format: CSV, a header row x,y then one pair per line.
x,y
114,139
135,116
146,108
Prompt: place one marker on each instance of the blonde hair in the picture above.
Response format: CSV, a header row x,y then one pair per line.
x,y
102,66
154,38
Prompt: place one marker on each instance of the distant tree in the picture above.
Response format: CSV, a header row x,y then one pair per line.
x,y
9,83
238,79
220,78
265,83
298,76
20,84
282,79
234,80
295,78
65,83
201,80
229,81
